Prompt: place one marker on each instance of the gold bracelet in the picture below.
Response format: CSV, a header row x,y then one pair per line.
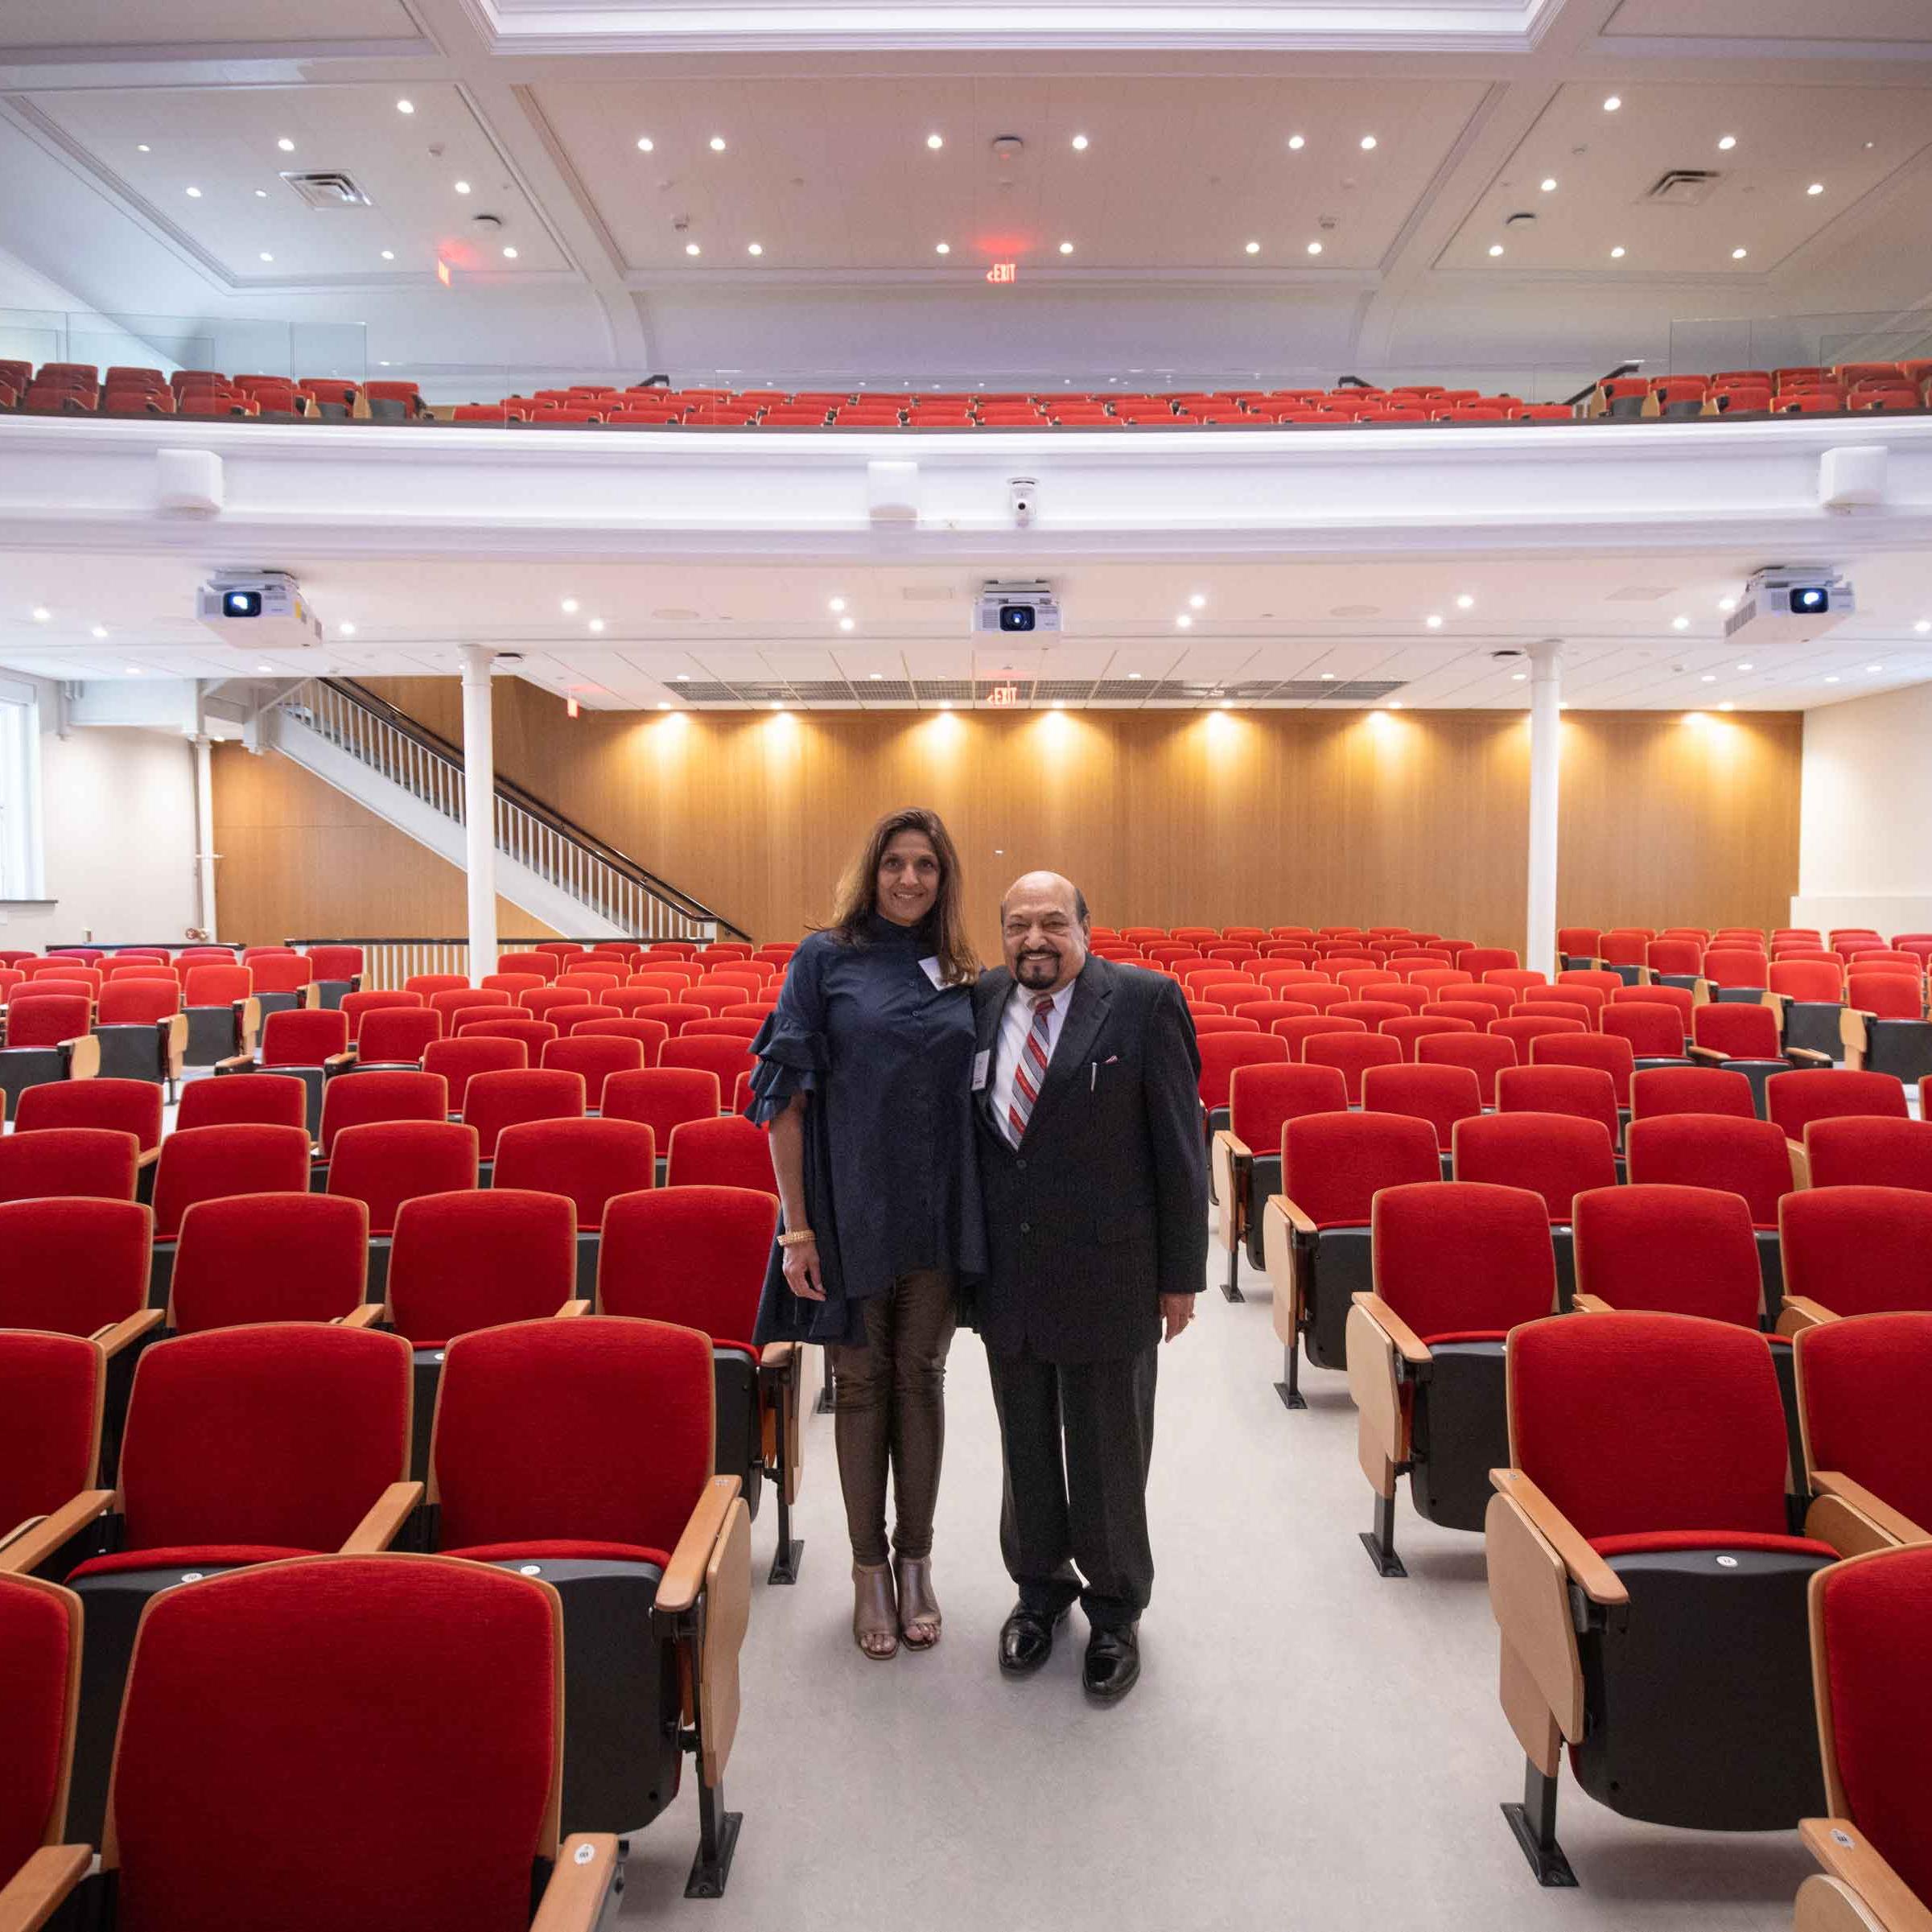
x,y
796,1235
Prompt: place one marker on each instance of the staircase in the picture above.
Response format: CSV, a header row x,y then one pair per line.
x,y
546,865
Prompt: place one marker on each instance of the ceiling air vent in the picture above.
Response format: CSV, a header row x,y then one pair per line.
x,y
329,188
1683,186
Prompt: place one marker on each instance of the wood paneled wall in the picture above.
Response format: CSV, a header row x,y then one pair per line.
x,y
1163,816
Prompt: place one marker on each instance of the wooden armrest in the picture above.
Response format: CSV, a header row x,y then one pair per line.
x,y
575,1308
1301,1222
778,1355
83,1056
38,1889
1237,1148
1801,1164
148,1159
1709,1055
383,1523
1895,1524
1808,1057
684,1577
236,1063
336,1062
311,996
366,1316
1776,1002
581,1884
1409,1344
115,1335
1599,1582
37,1538
1801,1313
1846,1853
1591,1304
1700,994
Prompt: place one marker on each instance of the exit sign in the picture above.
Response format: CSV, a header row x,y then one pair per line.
x,y
1003,694
1003,271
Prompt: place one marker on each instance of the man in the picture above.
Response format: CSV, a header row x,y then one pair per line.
x,y
1094,1179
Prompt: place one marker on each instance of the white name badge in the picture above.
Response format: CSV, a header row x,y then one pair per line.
x,y
981,1066
930,968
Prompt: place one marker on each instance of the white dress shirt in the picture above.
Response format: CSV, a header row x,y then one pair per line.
x,y
1016,1023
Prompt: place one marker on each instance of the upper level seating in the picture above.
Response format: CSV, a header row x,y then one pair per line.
x,y
77,389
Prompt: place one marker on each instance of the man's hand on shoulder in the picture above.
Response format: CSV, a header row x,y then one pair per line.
x,y
1177,1311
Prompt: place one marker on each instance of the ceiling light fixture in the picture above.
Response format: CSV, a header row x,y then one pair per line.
x,y
1465,602
691,248
1080,144
942,247
1495,248
1227,704
262,194
596,623
345,629
509,254
875,677
645,144
1297,142
141,147
1874,668
1183,622
935,141
287,146
1549,184
1727,142
463,188
133,670
1830,681
1066,248
388,254
194,194
42,614
569,607
1738,254
1708,677
266,256
754,248
1133,678
1395,704
1726,604
1923,625
837,604
1314,248
1518,676
405,107
100,630
1680,623
1368,141
717,144
1328,676
1253,248
664,704
265,667
1727,706
1433,621
1613,103
1616,254
1197,602
1747,667
848,624
1817,187
683,677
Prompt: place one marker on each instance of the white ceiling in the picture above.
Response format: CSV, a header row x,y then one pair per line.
x,y
666,626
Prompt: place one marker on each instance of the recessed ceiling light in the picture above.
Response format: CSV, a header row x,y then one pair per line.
x,y
1708,677
1726,604
1328,676
1197,602
509,254
1133,678
1253,248
194,194
262,194
1616,254
1465,602
1297,142
1817,187
1080,144
41,613
1056,707
101,631
133,670
717,144
837,604
1227,704
1183,622
346,629
1495,248
1066,248
1747,667
645,144
935,141
848,624
664,704
287,146
691,248
405,107
388,254
875,677
266,256
1549,184
942,247
1433,621
1869,667
1518,676
1680,623
1738,254
1612,103
946,704
1368,141
596,623
778,704
1395,704
1314,248
569,607
1830,681
141,147
265,667
683,677
1726,142
1923,625
463,188
754,248
1727,706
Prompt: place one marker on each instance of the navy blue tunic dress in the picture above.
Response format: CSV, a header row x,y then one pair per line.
x,y
890,1184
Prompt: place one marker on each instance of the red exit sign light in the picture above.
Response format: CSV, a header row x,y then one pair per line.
x,y
1003,271
1003,694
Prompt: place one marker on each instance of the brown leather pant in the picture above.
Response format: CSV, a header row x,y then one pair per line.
x,y
890,1414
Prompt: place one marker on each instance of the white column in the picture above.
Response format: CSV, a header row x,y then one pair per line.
x,y
1546,730
479,808
204,839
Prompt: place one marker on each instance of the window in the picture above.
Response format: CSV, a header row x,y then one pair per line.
x,y
22,869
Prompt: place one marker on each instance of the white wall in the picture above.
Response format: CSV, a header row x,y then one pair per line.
x,y
1865,820
118,832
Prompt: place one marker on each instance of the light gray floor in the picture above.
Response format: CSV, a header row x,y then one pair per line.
x,y
1309,1745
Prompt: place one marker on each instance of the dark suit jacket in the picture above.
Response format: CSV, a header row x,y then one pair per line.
x,y
1103,1207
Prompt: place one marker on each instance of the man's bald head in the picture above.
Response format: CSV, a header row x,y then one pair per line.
x,y
1044,931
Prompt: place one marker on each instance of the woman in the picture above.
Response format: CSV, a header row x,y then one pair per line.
x,y
863,1072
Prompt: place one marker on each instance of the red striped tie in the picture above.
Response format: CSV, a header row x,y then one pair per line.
x,y
1031,1069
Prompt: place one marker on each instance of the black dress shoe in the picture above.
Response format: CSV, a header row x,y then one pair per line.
x,y
1026,1640
1112,1664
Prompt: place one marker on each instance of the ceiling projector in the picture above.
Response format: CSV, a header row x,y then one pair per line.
x,y
257,611
1013,609
1789,603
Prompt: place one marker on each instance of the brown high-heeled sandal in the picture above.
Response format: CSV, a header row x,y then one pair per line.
x,y
919,1618
874,1612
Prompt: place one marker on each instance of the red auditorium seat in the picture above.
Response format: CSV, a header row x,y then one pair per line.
x,y
1580,1091
1690,1090
67,1162
1857,1150
1262,1099
125,1106
1861,1386
382,1164
1854,1251
271,1099
1795,1100
590,1162
257,1258
1556,1156
493,1101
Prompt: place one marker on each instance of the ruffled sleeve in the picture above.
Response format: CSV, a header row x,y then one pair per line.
x,y
791,1051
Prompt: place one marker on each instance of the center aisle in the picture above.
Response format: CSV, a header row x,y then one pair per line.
x,y
1309,1746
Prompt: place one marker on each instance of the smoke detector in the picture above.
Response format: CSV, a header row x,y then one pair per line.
x,y
488,223
1009,147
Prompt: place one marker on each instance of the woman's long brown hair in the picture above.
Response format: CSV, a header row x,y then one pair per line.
x,y
859,892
